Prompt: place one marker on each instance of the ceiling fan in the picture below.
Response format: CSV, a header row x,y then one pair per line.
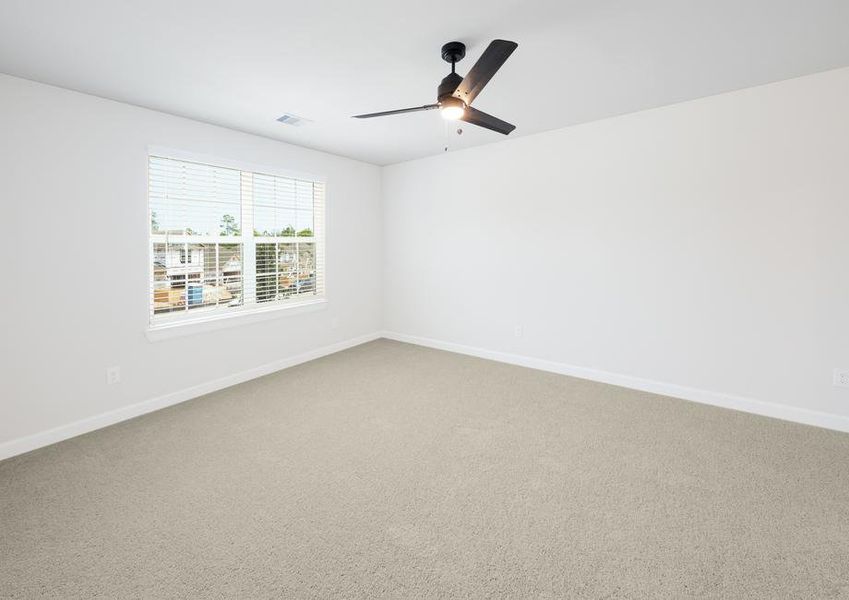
x,y
455,94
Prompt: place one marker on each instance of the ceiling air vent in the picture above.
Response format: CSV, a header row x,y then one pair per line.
x,y
294,120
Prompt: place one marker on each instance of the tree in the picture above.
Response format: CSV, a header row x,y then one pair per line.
x,y
229,225
305,232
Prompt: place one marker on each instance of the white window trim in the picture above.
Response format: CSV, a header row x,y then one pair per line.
x,y
164,330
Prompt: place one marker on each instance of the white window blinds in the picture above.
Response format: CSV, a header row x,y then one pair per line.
x,y
226,241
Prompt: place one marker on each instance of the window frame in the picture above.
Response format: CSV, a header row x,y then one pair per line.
x,y
177,324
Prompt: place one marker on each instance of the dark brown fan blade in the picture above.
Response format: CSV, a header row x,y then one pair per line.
x,y
481,119
495,55
400,111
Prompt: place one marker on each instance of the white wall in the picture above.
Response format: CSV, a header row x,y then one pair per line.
x,y
704,244
75,301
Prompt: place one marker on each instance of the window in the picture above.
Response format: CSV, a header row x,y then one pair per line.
x,y
227,241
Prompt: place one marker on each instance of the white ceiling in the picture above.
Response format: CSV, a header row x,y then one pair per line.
x,y
243,63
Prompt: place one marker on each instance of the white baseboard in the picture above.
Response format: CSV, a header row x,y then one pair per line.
x,y
63,432
749,405
758,407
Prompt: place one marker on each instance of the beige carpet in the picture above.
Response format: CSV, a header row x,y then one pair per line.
x,y
393,471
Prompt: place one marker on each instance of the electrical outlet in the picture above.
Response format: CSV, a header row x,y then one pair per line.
x,y
113,375
841,377
517,331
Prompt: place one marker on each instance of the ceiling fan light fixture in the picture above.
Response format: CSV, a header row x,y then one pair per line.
x,y
452,109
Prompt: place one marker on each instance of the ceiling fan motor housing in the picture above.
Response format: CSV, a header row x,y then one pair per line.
x,y
448,85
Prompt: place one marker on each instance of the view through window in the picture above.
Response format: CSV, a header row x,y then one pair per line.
x,y
224,240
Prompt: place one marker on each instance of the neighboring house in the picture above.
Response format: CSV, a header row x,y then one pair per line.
x,y
179,277
231,274
182,264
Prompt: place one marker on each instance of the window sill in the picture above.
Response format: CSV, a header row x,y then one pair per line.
x,y
158,333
